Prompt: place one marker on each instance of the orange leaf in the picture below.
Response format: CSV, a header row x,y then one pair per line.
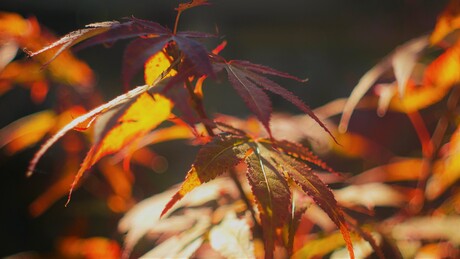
x,y
447,170
26,131
123,125
438,79
212,160
448,21
57,190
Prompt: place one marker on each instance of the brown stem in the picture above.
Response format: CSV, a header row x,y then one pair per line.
x,y
434,146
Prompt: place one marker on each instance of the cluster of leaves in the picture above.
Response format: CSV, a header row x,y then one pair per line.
x,y
269,193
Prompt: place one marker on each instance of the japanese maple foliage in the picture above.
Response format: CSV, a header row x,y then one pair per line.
x,y
258,187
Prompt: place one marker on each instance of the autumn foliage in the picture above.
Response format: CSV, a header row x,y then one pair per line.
x,y
258,187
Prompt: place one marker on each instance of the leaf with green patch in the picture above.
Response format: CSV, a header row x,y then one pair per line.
x,y
272,194
213,159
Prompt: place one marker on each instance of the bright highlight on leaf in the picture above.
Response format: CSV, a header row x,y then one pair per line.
x,y
121,126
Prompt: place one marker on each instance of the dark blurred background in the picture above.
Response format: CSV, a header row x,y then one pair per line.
x,y
331,42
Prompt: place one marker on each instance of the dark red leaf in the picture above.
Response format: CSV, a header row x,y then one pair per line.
x,y
137,53
272,195
248,75
195,34
254,97
312,185
301,152
196,54
264,69
213,159
130,29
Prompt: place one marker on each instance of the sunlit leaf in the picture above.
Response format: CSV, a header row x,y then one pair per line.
x,y
155,66
448,21
182,245
370,195
90,248
57,190
404,57
247,77
26,131
438,250
407,169
232,238
272,194
82,119
446,170
309,182
213,159
362,249
13,25
119,127
320,247
428,228
121,186
8,51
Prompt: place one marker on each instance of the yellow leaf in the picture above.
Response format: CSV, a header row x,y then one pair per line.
x,y
26,131
448,21
13,25
438,79
446,170
125,126
155,66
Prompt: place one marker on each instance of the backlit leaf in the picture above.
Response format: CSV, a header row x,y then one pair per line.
x,y
155,66
232,238
245,77
448,21
301,152
428,228
312,185
402,60
26,131
124,126
407,169
370,195
82,119
438,78
446,170
138,52
272,194
213,159
75,37
320,247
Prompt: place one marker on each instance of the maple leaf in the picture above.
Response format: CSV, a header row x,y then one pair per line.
x,y
139,50
312,185
246,78
272,194
231,238
402,60
26,131
446,170
447,22
213,159
119,127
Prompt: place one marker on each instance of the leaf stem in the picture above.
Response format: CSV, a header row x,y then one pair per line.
x,y
176,23
431,149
